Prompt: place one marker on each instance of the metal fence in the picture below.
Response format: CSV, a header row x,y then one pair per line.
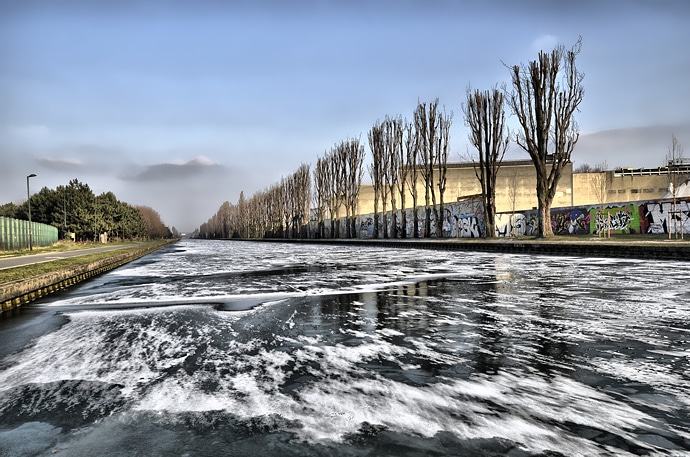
x,y
14,234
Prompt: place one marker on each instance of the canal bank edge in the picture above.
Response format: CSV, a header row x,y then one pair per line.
x,y
22,291
645,250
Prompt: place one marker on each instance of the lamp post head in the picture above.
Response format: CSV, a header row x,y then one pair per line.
x,y
32,175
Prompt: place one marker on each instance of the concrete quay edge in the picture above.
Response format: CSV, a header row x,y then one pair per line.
x,y
644,250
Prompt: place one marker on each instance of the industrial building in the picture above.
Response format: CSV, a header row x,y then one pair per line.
x,y
516,186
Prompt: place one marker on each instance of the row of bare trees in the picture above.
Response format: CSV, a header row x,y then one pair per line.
x,y
281,210
337,180
544,96
406,156
409,156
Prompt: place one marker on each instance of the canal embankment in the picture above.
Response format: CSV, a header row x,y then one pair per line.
x,y
658,249
61,274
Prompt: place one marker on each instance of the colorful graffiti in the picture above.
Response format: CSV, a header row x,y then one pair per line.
x,y
466,220
616,219
571,221
460,220
660,217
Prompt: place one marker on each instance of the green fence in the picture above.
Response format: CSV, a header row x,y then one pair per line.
x,y
14,234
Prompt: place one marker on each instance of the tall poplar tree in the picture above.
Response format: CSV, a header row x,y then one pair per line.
x,y
545,95
485,116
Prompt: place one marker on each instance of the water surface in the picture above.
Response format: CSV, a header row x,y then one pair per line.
x,y
236,348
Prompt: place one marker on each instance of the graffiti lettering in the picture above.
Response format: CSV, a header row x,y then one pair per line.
x,y
661,218
469,227
510,225
618,220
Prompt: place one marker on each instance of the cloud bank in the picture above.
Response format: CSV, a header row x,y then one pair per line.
x,y
174,170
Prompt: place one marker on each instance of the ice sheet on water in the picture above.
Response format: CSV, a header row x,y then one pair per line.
x,y
338,345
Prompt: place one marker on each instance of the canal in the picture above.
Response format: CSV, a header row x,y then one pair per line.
x,y
208,348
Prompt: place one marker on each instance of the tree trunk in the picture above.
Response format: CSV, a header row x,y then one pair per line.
x,y
403,223
439,222
427,222
544,229
403,216
394,220
490,221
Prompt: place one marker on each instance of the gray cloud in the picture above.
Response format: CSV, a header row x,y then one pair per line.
x,y
65,164
637,147
174,171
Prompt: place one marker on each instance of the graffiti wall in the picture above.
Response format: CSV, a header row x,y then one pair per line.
x,y
460,220
616,219
656,217
570,221
663,217
516,224
466,220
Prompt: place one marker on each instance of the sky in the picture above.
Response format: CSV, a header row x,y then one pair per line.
x,y
181,105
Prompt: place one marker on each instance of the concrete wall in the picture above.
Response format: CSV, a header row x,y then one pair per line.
x,y
516,187
619,186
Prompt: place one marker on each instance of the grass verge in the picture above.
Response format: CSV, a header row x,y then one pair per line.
x,y
60,246
29,271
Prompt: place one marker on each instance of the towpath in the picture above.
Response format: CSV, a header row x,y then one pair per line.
x,y
19,261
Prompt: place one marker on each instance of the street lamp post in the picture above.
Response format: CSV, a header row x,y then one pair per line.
x,y
28,199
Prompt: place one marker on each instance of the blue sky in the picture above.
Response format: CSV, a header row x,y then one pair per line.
x,y
180,105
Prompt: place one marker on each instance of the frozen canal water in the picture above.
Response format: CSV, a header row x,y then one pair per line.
x,y
211,348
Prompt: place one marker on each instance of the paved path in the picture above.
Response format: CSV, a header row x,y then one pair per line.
x,y
19,261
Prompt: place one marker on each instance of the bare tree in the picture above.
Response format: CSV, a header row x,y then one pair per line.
x,y
441,153
512,197
403,172
355,171
335,173
485,116
599,183
425,141
393,149
276,219
675,180
376,169
242,216
546,93
432,130
321,193
302,197
411,154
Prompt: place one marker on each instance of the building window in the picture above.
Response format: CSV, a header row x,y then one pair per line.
x,y
634,191
648,191
621,191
